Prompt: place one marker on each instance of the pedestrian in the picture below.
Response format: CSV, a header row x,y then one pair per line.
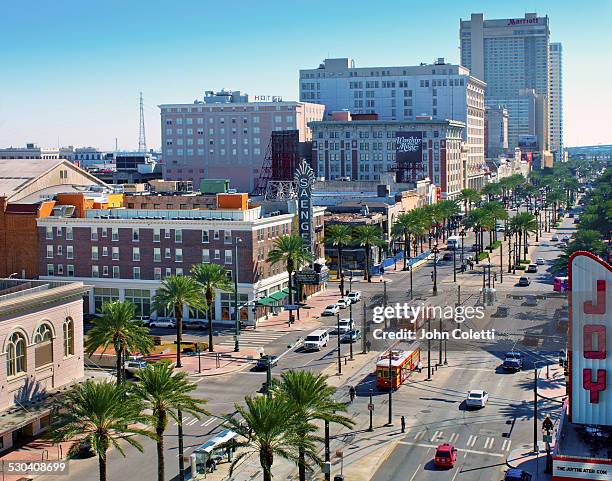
x,y
403,422
420,367
368,345
352,393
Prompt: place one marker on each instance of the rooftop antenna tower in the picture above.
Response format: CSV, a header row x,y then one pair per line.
x,y
142,139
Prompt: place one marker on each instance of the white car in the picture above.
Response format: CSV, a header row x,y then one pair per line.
x,y
163,322
345,325
540,261
343,303
554,238
331,310
134,365
476,398
354,296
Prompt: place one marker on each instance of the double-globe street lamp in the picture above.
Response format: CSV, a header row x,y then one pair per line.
x,y
435,252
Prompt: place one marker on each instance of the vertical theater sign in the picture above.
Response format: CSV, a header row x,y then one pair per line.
x,y
590,282
409,156
304,178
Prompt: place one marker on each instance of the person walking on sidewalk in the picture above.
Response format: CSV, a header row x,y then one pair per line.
x,y
403,424
352,393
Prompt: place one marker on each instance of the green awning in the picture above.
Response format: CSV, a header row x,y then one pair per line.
x,y
286,291
280,295
266,301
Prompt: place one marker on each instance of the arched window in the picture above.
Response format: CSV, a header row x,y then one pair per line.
x,y
15,354
43,350
68,337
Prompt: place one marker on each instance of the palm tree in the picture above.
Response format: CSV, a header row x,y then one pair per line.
x,y
497,212
405,227
100,414
117,327
339,235
212,277
165,392
311,400
491,190
269,427
475,221
469,197
367,236
175,293
524,223
447,209
294,252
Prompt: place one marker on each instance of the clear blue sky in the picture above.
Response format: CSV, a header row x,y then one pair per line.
x,y
72,69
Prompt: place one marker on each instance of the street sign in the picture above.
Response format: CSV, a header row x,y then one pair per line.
x,y
291,307
370,407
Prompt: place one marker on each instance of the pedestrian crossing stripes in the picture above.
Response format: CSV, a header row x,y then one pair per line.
x,y
420,435
437,435
506,445
192,421
472,442
489,443
253,338
453,438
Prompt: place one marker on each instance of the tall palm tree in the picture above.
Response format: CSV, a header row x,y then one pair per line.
x,y
269,427
404,227
447,209
523,224
311,400
491,190
475,220
469,197
293,252
100,414
175,293
339,235
212,277
117,327
164,392
497,212
367,236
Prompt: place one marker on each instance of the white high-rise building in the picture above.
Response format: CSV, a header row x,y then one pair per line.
x,y
510,55
438,91
556,100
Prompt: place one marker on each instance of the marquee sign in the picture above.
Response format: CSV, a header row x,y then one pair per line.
x,y
408,155
580,470
304,178
590,303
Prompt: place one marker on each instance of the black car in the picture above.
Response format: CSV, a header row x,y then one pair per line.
x,y
517,475
474,247
262,362
448,256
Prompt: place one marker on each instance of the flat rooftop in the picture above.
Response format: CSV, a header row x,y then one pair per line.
x,y
584,441
19,295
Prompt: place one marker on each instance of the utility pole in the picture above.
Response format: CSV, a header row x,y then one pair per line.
x,y
536,449
371,427
509,253
352,328
180,446
237,241
454,264
363,328
435,271
390,420
411,292
429,348
327,453
338,336
501,263
440,350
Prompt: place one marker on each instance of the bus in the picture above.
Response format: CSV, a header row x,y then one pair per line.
x,y
452,242
402,363
560,284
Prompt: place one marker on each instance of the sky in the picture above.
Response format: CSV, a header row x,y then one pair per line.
x,y
71,70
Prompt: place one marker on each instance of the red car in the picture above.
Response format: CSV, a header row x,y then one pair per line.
x,y
446,456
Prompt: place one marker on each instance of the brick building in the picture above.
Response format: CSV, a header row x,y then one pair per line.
x,y
125,253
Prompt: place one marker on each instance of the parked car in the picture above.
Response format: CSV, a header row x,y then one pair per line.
x,y
351,336
561,245
474,247
331,310
513,361
134,365
524,281
448,256
316,340
343,303
446,456
354,296
168,322
196,324
554,238
565,238
540,261
532,268
515,474
262,362
344,326
476,398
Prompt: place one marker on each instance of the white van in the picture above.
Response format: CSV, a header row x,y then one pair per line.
x,y
452,243
346,325
316,340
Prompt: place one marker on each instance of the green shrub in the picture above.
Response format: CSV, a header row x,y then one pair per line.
x,y
483,256
521,267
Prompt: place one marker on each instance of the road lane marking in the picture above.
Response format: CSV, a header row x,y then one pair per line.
x,y
207,422
437,435
415,473
506,445
456,473
419,435
453,438
192,422
465,451
489,443
471,441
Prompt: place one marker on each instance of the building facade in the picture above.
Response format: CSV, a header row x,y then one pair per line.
x,y
125,253
368,149
509,55
496,131
33,151
556,100
41,342
440,91
227,136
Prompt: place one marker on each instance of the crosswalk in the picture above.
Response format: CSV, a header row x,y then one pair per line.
x,y
253,339
193,421
471,442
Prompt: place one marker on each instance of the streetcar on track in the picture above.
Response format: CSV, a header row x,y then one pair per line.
x,y
402,363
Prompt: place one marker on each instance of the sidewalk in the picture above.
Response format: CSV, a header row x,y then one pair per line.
x,y
36,450
526,459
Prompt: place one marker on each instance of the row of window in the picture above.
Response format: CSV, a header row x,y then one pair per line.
x,y
211,120
16,347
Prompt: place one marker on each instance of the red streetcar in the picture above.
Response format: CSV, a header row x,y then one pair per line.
x,y
401,363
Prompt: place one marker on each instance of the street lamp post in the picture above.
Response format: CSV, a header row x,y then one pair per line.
x,y
454,264
390,420
327,450
339,355
440,349
501,262
237,241
351,330
180,446
435,251
371,427
428,348
509,253
536,448
462,234
538,228
410,268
